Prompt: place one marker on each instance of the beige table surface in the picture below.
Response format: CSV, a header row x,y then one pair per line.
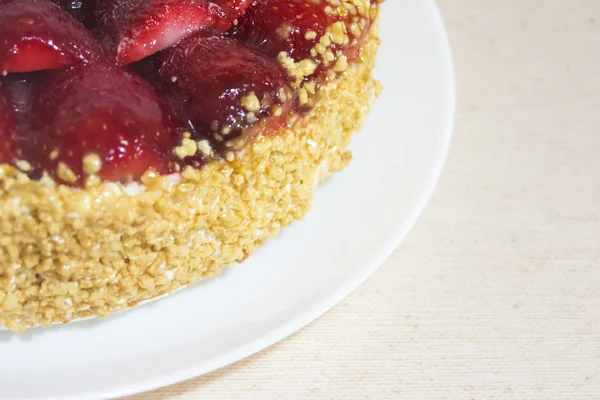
x,y
495,294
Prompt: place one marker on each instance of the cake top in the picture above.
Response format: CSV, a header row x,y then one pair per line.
x,y
109,89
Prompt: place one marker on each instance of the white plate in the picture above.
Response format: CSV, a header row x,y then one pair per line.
x,y
359,217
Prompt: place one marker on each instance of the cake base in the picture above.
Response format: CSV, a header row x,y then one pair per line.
x,y
68,253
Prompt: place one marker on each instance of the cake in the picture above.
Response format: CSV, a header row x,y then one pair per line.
x,y
148,144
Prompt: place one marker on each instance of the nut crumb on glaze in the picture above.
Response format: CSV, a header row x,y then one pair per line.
x,y
68,253
187,147
204,147
251,102
23,165
92,164
65,173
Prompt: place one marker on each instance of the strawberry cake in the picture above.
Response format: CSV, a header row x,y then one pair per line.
x,y
148,144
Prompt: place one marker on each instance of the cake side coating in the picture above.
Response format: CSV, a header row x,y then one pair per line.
x,y
69,253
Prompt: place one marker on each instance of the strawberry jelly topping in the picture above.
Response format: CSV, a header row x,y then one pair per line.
x,y
215,73
135,29
303,29
38,35
104,111
224,88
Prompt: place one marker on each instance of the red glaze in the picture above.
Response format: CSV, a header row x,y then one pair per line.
x,y
103,110
21,90
208,76
134,29
38,35
218,87
7,130
272,26
81,10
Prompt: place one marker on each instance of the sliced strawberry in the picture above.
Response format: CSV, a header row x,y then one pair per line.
x,y
7,131
105,112
297,26
38,35
224,89
135,29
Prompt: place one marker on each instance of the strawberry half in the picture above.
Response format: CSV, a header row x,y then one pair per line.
x,y
104,112
224,89
37,35
135,29
298,26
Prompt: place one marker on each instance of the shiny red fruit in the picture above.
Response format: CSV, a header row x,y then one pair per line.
x,y
135,29
297,26
224,88
106,112
36,35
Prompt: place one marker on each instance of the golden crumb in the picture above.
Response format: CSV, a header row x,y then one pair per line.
x,y
303,96
23,165
204,147
277,111
284,31
250,102
92,164
64,172
341,64
187,148
310,35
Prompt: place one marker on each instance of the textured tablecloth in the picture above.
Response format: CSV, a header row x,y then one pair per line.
x,y
495,294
